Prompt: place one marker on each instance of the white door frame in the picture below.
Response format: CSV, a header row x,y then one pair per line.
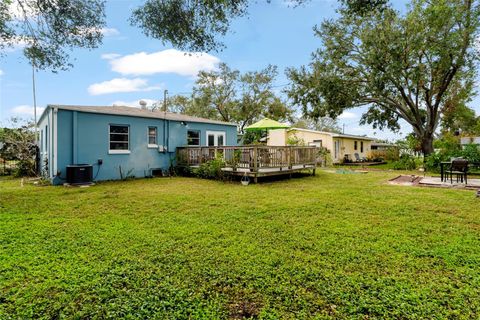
x,y
336,146
216,134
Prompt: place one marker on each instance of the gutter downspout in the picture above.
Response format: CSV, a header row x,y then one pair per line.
x,y
74,138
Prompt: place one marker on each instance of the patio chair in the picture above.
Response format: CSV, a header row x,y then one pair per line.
x,y
358,159
459,167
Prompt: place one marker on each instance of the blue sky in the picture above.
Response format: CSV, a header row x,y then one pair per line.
x,y
129,66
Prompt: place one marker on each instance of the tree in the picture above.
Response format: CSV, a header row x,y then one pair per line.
x,y
460,118
320,124
217,90
49,29
258,99
197,25
19,144
227,95
400,66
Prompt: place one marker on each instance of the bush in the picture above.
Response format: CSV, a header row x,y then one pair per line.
x,y
432,162
471,152
406,162
210,170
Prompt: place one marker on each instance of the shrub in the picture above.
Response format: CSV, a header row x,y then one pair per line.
x,y
471,152
432,162
210,170
324,157
406,162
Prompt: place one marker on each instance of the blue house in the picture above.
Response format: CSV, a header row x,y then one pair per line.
x,y
120,141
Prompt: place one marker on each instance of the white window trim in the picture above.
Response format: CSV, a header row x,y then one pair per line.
x,y
118,151
152,145
115,151
216,134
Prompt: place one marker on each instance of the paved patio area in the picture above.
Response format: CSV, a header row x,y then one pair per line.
x,y
414,180
436,182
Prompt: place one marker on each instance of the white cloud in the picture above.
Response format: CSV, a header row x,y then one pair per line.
x,y
110,56
348,115
167,61
1,72
135,103
26,110
110,32
121,85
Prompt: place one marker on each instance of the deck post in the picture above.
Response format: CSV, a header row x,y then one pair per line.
x,y
255,160
290,157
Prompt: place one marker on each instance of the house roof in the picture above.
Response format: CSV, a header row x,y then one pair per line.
x,y
137,112
351,136
383,144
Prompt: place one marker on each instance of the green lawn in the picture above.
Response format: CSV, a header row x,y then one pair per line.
x,y
329,246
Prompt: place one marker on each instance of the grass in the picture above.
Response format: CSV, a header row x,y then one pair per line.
x,y
329,246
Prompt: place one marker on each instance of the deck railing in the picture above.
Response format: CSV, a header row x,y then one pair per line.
x,y
253,158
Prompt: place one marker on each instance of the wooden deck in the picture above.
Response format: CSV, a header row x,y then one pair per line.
x,y
252,161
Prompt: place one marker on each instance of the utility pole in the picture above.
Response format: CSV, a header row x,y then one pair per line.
x,y
343,128
34,102
165,92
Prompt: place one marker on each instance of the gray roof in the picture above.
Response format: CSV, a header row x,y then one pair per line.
x,y
383,144
351,136
138,112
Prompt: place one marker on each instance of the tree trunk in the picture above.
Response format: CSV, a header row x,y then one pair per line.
x,y
427,144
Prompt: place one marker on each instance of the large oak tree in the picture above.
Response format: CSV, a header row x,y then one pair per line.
x,y
406,66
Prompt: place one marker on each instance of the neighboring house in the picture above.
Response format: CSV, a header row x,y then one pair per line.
x,y
469,140
341,146
382,146
137,142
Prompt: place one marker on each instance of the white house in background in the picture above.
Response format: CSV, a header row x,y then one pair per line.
x,y
341,146
469,140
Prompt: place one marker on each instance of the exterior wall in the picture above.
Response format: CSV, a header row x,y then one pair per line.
x,y
347,147
470,140
310,137
45,133
83,138
277,137
280,137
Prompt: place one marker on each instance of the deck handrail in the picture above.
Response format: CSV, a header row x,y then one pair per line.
x,y
252,158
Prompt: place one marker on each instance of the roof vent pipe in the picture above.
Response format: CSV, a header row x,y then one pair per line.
x,y
143,104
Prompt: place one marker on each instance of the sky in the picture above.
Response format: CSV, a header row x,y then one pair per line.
x,y
128,66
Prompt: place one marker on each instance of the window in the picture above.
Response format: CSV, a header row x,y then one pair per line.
x,y
361,146
315,143
215,138
193,137
152,137
355,146
119,138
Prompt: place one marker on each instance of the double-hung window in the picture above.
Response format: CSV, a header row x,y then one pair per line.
x,y
355,145
152,137
119,136
193,137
